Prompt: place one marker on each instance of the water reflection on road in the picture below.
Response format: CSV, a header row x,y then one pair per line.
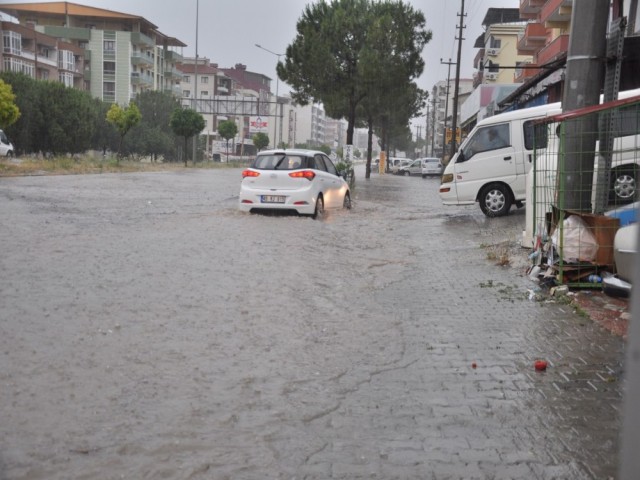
x,y
149,329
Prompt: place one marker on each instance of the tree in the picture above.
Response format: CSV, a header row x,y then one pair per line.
x,y
153,136
228,130
186,123
9,111
324,62
123,119
260,140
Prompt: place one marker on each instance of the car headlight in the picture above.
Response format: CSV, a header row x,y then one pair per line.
x,y
447,178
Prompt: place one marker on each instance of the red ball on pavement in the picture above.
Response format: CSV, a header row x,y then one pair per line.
x,y
541,365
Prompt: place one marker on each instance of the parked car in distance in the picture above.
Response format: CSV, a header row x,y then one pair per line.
x,y
412,168
422,166
396,163
431,166
302,181
6,148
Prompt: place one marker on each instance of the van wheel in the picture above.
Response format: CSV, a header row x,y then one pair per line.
x,y
495,200
623,185
407,173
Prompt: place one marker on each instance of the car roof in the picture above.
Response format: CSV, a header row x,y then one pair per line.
x,y
292,151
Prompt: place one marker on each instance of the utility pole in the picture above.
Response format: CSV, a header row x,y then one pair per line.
x,y
456,90
584,79
195,87
446,108
433,124
426,130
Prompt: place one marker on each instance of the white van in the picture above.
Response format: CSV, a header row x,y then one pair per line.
x,y
491,165
6,148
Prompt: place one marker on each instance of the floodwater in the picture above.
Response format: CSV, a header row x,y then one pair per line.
x,y
148,329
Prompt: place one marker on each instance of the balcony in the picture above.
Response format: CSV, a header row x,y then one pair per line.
x,y
171,56
558,46
172,72
556,13
533,38
72,33
139,58
141,79
529,9
520,75
138,38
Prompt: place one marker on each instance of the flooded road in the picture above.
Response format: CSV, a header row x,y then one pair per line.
x,y
148,329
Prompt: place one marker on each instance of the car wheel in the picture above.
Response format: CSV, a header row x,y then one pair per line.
x,y
407,173
347,201
424,176
623,185
495,200
10,154
319,212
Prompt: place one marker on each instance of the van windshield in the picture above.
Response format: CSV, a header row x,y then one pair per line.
x,y
491,137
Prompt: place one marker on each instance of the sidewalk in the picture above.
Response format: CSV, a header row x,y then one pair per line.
x,y
612,313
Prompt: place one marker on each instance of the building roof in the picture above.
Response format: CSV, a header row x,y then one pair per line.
x,y
501,15
202,69
242,77
68,8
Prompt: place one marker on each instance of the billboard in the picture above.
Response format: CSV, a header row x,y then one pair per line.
x,y
258,125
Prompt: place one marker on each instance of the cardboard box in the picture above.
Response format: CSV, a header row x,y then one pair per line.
x,y
602,227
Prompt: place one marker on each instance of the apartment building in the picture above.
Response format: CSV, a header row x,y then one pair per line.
x,y
546,39
443,93
40,56
113,55
498,55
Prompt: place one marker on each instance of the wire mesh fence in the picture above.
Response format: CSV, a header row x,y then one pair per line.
x,y
583,189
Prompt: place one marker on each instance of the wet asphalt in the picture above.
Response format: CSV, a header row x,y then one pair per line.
x,y
150,330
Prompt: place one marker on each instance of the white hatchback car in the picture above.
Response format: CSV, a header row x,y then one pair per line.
x,y
304,181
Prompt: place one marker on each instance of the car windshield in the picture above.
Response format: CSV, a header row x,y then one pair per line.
x,y
278,162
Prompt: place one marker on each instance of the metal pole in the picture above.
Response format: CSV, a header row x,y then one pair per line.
x,y
454,128
433,125
195,91
446,107
275,120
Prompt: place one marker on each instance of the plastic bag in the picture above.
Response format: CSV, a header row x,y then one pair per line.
x,y
578,243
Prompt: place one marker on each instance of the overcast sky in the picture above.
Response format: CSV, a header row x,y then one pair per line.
x,y
229,29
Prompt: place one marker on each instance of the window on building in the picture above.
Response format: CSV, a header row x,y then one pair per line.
x,y
66,60
186,93
109,45
109,68
204,93
12,42
186,79
109,89
204,79
66,79
19,66
494,42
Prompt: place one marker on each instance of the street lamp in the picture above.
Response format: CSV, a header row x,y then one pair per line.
x,y
275,122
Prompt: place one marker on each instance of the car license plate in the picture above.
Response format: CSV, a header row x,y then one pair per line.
x,y
273,198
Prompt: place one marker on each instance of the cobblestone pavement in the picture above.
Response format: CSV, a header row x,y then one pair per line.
x,y
149,330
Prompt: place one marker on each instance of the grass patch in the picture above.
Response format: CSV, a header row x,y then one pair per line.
x,y
498,253
75,165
